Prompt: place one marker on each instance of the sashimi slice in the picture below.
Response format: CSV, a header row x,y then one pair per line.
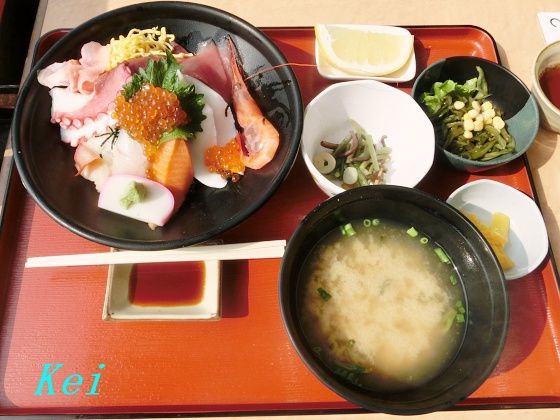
x,y
207,66
91,166
172,167
97,172
99,157
88,129
59,74
106,89
95,56
217,129
128,156
83,156
66,101
78,75
223,116
199,144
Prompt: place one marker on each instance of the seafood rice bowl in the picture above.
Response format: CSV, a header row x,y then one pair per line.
x,y
163,134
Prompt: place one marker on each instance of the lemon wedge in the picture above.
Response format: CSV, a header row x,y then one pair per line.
x,y
365,50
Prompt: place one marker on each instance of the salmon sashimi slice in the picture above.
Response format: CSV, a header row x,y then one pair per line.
x,y
172,167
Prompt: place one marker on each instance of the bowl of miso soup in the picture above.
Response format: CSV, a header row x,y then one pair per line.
x,y
394,300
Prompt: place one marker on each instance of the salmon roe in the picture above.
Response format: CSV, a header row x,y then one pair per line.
x,y
151,112
225,160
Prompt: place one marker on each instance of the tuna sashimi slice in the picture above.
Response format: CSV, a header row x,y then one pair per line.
x,y
207,66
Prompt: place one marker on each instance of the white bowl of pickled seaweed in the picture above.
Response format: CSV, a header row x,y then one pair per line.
x,y
362,133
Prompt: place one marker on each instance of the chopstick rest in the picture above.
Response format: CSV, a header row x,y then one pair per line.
x,y
240,251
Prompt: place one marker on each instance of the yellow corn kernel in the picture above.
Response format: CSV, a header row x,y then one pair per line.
x,y
473,113
458,105
498,123
488,113
487,105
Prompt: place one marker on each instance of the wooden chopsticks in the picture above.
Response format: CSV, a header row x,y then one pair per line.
x,y
240,251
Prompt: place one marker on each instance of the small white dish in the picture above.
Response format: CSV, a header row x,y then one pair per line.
x,y
120,305
404,74
381,110
528,239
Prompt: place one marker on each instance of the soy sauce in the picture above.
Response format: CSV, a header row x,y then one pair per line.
x,y
170,284
550,83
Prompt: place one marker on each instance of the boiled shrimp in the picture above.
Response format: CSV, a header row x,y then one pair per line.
x,y
259,138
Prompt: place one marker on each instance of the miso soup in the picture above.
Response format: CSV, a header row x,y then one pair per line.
x,y
382,305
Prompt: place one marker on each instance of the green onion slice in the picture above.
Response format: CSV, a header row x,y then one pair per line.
x,y
413,233
442,255
326,296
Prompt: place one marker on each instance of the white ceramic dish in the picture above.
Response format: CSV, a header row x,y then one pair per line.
x,y
528,239
404,74
118,306
381,110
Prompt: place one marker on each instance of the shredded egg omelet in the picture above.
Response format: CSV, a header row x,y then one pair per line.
x,y
141,43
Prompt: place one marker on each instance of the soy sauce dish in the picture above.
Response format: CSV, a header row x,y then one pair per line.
x,y
393,300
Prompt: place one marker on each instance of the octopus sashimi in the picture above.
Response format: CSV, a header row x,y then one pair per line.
x,y
106,88
78,75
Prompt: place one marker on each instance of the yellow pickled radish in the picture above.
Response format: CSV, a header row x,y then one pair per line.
x,y
500,226
364,50
504,260
497,235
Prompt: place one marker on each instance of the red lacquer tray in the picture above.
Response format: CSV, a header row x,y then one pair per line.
x,y
244,362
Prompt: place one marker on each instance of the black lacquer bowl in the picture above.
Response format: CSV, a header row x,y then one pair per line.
x,y
508,92
46,164
481,278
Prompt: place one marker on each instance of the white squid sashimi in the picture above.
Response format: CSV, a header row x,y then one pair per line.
x,y
124,156
102,145
217,129
198,146
128,156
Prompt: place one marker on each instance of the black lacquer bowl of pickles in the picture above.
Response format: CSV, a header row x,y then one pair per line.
x,y
483,115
